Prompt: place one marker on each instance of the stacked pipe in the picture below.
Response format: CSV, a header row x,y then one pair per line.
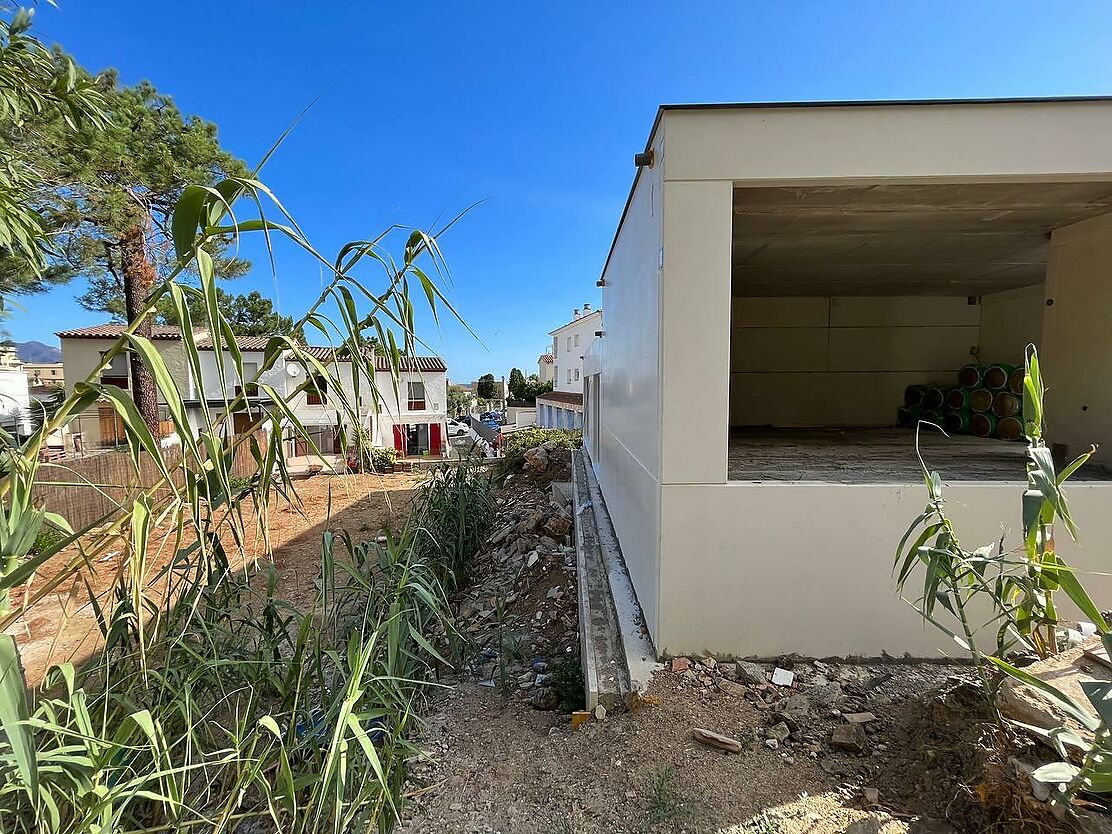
x,y
986,402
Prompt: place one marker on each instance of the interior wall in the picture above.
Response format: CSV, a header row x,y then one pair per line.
x,y
842,361
1010,321
1077,337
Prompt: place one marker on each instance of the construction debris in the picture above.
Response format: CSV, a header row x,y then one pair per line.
x,y
719,742
782,677
521,607
849,737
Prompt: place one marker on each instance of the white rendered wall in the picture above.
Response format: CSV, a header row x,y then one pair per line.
x,y
628,460
763,569
393,406
1041,140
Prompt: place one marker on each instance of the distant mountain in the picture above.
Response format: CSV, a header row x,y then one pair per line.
x,y
38,352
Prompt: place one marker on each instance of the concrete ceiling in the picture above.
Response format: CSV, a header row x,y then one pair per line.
x,y
968,239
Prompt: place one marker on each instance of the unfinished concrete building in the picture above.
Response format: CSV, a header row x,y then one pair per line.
x,y
780,275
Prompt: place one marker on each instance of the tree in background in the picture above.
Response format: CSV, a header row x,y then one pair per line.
x,y
38,88
252,314
112,192
517,384
485,390
459,400
527,389
534,388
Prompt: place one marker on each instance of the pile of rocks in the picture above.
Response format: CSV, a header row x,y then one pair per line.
x,y
811,708
521,608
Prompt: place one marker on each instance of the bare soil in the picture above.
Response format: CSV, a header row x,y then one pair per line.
x,y
500,766
62,626
496,762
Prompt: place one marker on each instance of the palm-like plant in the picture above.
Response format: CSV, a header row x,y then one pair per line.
x,y
208,704
1020,584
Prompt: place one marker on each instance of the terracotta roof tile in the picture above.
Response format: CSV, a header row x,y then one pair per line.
x,y
570,397
114,331
424,364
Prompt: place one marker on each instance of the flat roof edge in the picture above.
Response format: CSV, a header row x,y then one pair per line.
x,y
784,105
881,102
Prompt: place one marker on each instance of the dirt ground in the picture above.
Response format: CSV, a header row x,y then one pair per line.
x,y
500,753
500,766
62,626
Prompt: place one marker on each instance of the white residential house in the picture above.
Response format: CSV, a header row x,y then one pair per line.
x,y
562,408
15,401
779,276
407,413
546,368
82,349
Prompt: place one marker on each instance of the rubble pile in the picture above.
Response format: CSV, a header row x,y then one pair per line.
x,y
520,608
832,712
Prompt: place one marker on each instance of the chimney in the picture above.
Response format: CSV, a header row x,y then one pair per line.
x,y
586,309
575,314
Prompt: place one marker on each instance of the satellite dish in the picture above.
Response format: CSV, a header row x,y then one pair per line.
x,y
293,370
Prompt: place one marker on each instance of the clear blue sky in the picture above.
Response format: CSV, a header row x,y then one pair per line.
x,y
534,109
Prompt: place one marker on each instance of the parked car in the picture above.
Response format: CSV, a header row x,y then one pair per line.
x,y
458,429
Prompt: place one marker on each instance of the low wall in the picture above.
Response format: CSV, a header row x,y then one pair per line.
x,y
762,569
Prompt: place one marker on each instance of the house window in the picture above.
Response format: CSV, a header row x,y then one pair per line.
x,y
555,346
317,392
577,340
250,371
117,371
569,342
577,374
569,374
416,396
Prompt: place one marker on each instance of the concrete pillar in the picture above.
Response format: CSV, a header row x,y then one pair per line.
x,y
695,331
1076,353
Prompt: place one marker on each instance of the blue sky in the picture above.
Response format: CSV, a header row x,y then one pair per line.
x,y
533,109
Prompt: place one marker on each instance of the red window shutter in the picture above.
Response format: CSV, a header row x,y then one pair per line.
x,y
434,438
399,442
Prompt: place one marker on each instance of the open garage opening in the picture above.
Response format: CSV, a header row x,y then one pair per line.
x,y
846,296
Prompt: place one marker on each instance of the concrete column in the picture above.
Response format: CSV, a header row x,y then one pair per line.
x,y
1076,353
695,331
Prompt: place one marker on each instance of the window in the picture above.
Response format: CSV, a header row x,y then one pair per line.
x,y
416,396
555,346
317,392
577,374
117,371
250,371
577,340
569,374
569,342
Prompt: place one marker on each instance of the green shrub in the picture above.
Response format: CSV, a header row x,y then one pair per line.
x,y
518,443
240,483
522,441
379,458
454,511
47,540
567,680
